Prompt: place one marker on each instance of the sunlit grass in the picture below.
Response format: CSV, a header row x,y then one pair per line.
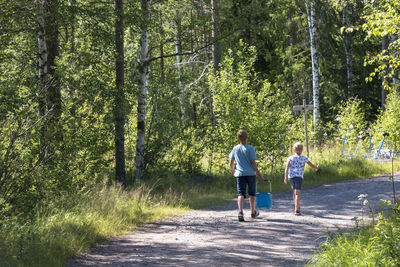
x,y
60,229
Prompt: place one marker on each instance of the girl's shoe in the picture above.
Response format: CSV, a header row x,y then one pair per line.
x,y
241,216
297,213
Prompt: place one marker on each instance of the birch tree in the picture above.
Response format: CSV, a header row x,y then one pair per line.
x,y
141,92
42,75
347,49
178,50
312,28
385,65
214,25
49,94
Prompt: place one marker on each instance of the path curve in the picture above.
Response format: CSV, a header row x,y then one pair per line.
x,y
214,237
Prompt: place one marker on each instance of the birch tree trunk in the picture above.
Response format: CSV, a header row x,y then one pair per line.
x,y
42,75
119,111
384,91
347,51
394,55
178,50
312,28
49,94
142,84
214,25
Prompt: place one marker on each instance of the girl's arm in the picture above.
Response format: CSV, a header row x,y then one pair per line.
x,y
315,167
286,172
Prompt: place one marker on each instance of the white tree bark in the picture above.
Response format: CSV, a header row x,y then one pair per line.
x,y
347,50
214,22
42,72
142,84
312,28
384,91
178,50
395,54
42,50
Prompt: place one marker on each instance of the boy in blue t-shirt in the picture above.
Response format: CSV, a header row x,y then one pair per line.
x,y
294,171
245,172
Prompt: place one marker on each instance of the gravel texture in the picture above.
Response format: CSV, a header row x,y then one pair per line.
x,y
214,237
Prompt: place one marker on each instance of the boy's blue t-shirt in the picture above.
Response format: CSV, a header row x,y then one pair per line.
x,y
242,154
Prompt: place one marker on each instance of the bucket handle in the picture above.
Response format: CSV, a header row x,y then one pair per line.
x,y
270,185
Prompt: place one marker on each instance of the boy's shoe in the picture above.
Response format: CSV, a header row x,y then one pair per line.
x,y
297,213
241,216
255,214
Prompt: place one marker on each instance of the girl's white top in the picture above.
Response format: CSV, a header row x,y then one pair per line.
x,y
297,163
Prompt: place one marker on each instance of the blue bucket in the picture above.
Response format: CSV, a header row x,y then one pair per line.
x,y
264,200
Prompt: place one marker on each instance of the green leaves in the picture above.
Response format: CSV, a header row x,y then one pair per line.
x,y
243,101
389,120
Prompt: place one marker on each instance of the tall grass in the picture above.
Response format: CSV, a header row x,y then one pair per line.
x,y
60,228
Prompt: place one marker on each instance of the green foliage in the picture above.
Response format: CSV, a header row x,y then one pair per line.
x,y
381,18
351,120
373,246
389,120
243,102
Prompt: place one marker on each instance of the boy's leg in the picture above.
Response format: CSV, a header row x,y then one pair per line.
x,y
252,183
240,203
241,188
253,204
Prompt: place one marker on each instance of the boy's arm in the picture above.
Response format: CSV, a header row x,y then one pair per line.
x,y
315,167
259,175
286,172
232,166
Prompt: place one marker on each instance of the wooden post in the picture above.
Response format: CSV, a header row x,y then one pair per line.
x,y
304,108
305,126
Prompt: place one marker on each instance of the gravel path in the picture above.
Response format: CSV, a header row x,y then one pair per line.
x,y
214,237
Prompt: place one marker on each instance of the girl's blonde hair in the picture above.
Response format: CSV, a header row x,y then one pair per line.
x,y
298,146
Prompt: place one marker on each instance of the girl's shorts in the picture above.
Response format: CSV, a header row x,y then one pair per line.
x,y
296,182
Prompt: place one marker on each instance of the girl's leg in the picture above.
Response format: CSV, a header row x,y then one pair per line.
x,y
296,196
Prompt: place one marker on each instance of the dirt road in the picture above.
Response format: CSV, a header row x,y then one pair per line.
x,y
214,237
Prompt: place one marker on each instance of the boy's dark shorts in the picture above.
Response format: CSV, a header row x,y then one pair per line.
x,y
250,181
296,182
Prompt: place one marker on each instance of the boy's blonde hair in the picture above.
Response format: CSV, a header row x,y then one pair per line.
x,y
242,135
298,146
